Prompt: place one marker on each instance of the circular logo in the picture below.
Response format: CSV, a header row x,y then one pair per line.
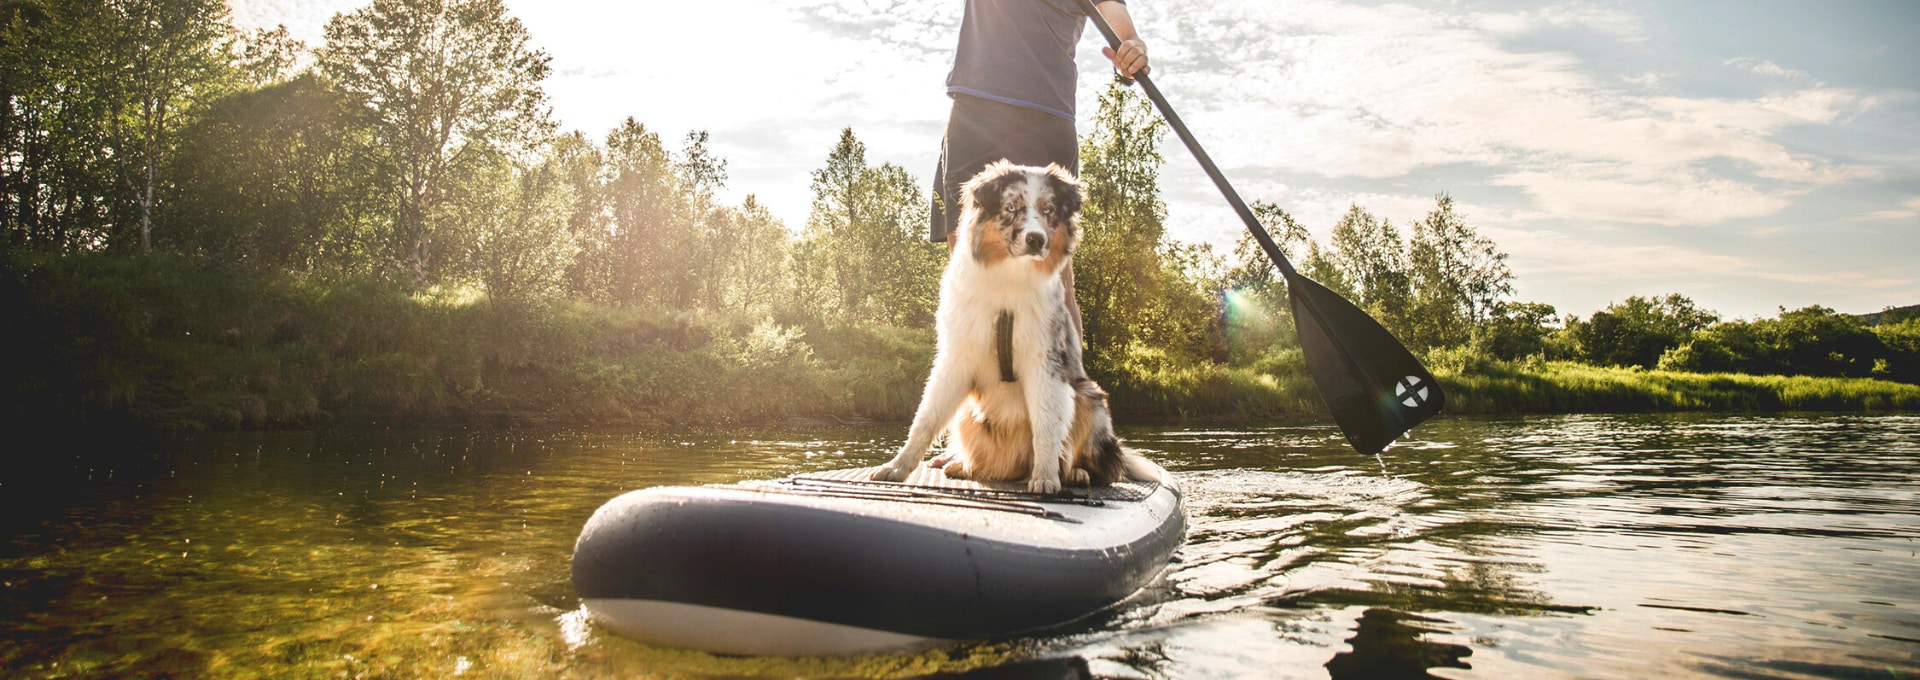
x,y
1412,391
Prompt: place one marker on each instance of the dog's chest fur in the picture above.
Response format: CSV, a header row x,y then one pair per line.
x,y
971,309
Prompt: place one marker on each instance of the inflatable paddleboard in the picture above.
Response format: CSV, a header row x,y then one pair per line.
x,y
833,564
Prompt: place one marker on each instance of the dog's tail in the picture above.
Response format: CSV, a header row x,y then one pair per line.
x,y
1104,459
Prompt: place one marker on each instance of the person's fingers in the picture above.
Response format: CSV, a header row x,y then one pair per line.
x,y
1130,60
1133,57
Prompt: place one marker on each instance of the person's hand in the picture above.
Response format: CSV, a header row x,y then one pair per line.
x,y
1131,59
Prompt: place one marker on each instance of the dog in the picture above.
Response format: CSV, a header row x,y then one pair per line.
x,y
1007,377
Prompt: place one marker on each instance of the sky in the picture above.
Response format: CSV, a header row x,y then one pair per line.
x,y
1749,154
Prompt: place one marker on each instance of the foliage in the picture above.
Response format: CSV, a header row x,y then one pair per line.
x,y
1369,254
447,84
1515,330
1459,279
863,258
270,180
1637,331
1902,340
1133,284
1568,387
161,57
1809,341
523,247
93,93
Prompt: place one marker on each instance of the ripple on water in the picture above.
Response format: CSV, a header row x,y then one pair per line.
x,y
1576,546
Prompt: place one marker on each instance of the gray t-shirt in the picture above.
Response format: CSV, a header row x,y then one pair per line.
x,y
1019,52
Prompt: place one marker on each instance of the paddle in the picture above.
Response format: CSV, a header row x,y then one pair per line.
x,y
1376,389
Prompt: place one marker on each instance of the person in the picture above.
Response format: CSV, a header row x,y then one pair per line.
x,y
1012,86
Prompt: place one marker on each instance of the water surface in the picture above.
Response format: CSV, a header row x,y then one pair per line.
x,y
1582,546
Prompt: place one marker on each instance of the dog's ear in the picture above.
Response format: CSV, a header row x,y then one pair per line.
x,y
984,191
981,201
1067,194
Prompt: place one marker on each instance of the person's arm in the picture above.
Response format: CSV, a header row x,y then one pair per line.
x,y
1132,57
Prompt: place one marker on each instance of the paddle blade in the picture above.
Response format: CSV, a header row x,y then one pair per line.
x,y
1376,389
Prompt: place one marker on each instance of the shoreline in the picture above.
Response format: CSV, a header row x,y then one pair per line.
x,y
171,344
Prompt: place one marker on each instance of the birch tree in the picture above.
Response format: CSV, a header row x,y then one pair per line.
x,y
448,82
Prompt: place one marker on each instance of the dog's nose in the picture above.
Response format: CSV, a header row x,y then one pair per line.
x,y
1036,242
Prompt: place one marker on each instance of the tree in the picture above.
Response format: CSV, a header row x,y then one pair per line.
x,y
1258,317
1817,340
271,180
1516,330
1808,341
644,204
758,269
268,56
1902,340
93,92
1369,252
580,163
1639,330
523,247
163,57
863,256
708,243
1459,276
1120,275
448,83
39,45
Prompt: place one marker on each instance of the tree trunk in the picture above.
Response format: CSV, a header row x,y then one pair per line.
x,y
146,206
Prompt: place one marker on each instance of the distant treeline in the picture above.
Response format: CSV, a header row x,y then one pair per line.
x,y
391,222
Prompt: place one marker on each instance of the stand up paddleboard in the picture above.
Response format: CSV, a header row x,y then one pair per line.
x,y
832,564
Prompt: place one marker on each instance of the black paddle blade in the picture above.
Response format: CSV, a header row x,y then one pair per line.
x,y
1376,389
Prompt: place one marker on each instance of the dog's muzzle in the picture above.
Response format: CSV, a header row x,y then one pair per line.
x,y
1035,243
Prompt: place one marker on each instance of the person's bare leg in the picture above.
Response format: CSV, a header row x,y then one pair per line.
x,y
1073,305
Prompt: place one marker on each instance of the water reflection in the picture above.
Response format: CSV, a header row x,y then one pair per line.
x,y
1634,546
1063,668
1390,645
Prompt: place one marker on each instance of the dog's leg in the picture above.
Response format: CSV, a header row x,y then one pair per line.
x,y
1050,410
946,389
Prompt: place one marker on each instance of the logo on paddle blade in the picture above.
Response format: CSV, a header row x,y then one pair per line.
x,y
1412,391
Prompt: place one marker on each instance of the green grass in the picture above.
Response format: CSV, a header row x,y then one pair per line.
x,y
167,343
173,344
1563,387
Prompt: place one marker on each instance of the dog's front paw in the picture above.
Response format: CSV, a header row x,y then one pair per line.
x,y
941,460
1045,486
891,472
1079,477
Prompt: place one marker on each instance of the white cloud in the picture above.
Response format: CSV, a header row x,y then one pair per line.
x,y
1622,26
1768,68
1572,258
1380,92
1674,199
1849,279
1908,209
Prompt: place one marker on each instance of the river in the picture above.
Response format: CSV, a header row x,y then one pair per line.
x,y
1638,546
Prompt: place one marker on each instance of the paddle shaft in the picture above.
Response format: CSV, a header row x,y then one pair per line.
x,y
1348,352
1193,145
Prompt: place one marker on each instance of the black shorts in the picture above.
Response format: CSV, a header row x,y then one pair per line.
x,y
981,131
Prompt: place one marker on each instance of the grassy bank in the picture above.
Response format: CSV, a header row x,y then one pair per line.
x,y
166,343
1562,387
174,344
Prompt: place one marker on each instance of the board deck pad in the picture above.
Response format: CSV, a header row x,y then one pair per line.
x,y
932,478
